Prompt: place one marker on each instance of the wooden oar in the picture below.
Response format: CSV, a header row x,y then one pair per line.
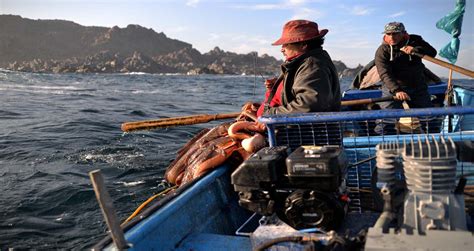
x,y
366,101
204,118
167,122
446,64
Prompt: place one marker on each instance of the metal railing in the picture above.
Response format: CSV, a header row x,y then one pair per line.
x,y
360,131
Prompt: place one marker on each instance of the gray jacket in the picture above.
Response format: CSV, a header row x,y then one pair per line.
x,y
310,84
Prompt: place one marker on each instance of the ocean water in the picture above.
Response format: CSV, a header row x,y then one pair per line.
x,y
55,128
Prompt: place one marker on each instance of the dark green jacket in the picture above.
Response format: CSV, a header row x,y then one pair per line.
x,y
310,84
399,71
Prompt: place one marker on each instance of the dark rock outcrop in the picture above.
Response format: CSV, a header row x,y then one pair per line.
x,y
344,71
217,61
103,62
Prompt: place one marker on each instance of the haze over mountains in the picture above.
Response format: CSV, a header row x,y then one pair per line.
x,y
61,46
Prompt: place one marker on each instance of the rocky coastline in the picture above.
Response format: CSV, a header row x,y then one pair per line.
x,y
186,61
176,62
59,46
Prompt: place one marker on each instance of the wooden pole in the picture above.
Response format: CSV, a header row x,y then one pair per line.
x,y
204,118
167,122
108,210
448,97
446,65
366,101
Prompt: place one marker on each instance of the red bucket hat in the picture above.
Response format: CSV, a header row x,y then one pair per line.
x,y
299,30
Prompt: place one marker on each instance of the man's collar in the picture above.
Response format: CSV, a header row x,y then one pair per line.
x,y
297,59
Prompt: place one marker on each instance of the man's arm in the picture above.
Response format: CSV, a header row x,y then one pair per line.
x,y
423,47
385,70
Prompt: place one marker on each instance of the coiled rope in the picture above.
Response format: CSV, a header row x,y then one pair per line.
x,y
144,204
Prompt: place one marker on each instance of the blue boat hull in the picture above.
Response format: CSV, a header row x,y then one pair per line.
x,y
203,215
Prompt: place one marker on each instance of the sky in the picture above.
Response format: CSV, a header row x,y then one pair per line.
x,y
244,26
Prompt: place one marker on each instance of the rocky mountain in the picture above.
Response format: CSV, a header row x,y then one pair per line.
x,y
23,39
345,71
60,46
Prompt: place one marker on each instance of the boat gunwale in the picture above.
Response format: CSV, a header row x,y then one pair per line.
x,y
323,117
353,94
157,205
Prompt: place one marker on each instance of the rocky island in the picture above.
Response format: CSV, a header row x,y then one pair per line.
x,y
59,46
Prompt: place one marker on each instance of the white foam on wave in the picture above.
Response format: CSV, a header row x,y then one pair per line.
x,y
42,87
5,70
131,184
61,217
172,74
111,158
156,91
47,89
136,73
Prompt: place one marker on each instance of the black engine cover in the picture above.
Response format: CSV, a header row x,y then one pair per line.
x,y
313,209
262,170
303,188
317,167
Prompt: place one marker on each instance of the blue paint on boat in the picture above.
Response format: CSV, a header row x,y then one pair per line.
x,y
208,207
435,89
463,97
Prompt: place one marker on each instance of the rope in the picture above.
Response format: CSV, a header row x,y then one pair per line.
x,y
255,75
144,204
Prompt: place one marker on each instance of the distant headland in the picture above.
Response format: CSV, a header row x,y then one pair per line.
x,y
59,46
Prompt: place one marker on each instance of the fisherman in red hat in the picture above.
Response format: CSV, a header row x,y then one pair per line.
x,y
309,81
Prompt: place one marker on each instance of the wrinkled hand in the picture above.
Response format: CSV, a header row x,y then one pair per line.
x,y
249,112
269,83
408,49
402,96
261,126
250,107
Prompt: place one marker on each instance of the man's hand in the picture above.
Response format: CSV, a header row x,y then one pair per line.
x,y
408,49
261,126
270,82
402,96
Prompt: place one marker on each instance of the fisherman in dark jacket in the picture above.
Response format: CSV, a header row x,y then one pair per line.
x,y
309,81
402,73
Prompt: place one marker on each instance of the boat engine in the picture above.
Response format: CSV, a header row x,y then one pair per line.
x,y
431,214
304,188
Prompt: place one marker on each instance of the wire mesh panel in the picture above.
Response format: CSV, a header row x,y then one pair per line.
x,y
359,132
294,135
